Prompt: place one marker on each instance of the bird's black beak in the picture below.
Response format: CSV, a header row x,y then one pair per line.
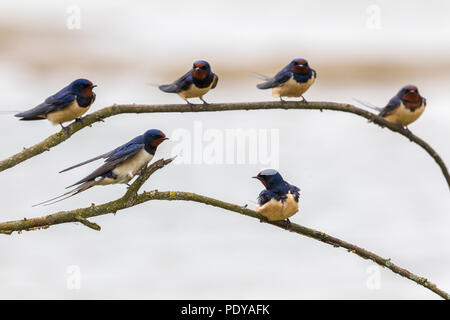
x,y
93,86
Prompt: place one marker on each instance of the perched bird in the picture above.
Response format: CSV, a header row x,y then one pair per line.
x,y
195,83
292,81
121,164
405,107
68,104
280,199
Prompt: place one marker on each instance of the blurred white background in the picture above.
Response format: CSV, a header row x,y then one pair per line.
x,y
361,183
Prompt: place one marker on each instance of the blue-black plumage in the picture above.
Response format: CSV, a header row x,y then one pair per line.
x,y
195,83
121,164
405,107
279,200
292,81
68,104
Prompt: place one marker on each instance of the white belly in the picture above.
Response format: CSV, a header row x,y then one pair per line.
x,y
404,116
292,88
69,113
194,92
278,210
128,169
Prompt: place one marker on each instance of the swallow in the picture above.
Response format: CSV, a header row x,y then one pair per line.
x,y
292,81
405,107
195,83
67,104
279,200
121,164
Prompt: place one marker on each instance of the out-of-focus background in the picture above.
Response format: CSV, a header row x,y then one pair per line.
x,y
359,182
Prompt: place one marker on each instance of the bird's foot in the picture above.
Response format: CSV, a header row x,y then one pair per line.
x,y
139,172
287,224
204,102
304,100
65,129
282,101
191,105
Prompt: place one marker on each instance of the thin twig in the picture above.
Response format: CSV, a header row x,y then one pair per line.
x,y
104,113
132,198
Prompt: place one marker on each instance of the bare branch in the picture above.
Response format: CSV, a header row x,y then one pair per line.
x,y
131,198
87,223
104,113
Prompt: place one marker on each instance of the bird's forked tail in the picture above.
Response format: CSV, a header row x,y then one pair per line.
x,y
71,193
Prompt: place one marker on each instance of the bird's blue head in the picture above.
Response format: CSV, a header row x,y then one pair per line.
x,y
409,95
201,69
153,138
82,87
270,178
299,66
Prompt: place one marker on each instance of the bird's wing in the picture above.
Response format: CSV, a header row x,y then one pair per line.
x,y
105,155
179,85
280,78
391,106
111,155
264,197
55,102
112,161
295,191
215,80
125,148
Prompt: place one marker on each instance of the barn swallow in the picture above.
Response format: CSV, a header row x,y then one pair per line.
x,y
120,166
292,81
195,83
404,108
280,199
67,104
